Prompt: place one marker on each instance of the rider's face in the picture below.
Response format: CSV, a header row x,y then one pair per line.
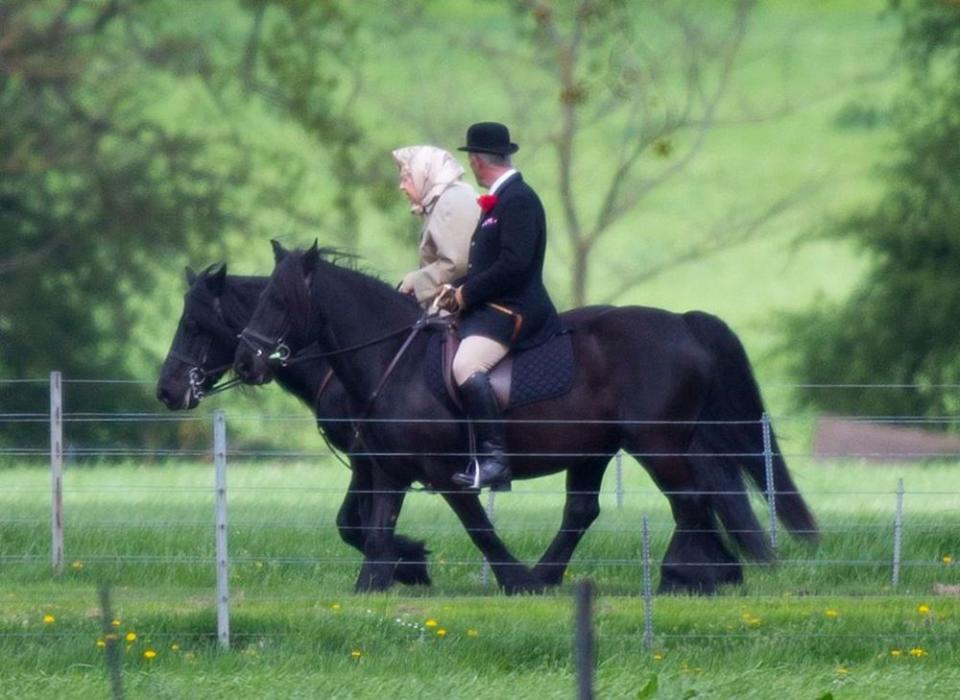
x,y
406,186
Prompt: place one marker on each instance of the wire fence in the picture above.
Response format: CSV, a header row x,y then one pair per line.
x,y
895,533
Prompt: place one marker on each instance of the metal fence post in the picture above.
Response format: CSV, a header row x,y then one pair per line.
x,y
485,571
583,640
619,461
771,487
897,533
223,560
56,470
647,588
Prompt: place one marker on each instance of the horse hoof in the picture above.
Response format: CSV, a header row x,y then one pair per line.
x,y
371,582
549,575
525,587
412,573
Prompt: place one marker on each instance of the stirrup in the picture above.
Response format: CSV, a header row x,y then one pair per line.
x,y
461,478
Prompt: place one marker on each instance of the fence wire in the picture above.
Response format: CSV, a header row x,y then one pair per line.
x,y
194,550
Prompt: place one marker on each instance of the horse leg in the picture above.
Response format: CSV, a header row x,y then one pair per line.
x,y
512,576
353,516
580,510
697,559
380,555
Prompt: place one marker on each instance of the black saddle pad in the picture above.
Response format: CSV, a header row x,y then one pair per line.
x,y
539,373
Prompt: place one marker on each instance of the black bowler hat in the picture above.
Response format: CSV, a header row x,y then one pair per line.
x,y
489,137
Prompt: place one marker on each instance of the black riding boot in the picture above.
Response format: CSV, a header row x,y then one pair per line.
x,y
481,406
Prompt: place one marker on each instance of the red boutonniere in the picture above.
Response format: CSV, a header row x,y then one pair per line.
x,y
487,202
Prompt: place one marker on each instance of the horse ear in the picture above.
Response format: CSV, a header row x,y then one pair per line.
x,y
279,252
216,279
310,258
191,275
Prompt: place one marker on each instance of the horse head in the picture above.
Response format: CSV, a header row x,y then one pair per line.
x,y
203,345
280,324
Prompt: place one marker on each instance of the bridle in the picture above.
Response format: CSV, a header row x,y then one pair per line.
x,y
278,351
197,375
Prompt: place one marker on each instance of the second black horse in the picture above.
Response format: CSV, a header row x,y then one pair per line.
x,y
675,391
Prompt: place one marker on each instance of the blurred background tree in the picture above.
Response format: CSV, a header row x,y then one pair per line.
x,y
900,324
670,141
129,144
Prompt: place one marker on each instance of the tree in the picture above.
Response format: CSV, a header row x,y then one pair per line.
x,y
91,190
900,324
644,84
106,174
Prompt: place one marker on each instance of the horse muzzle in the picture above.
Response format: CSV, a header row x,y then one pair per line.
x,y
252,366
177,400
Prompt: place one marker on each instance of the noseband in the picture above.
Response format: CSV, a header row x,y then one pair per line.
x,y
275,350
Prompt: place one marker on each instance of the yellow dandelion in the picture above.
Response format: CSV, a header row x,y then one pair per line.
x,y
77,565
49,619
335,607
895,653
441,632
842,670
174,648
472,632
658,656
131,637
116,623
832,613
431,623
356,654
918,652
947,559
923,609
149,654
101,643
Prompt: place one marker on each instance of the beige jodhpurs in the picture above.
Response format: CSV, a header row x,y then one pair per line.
x,y
476,354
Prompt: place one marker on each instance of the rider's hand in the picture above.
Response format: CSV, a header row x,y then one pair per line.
x,y
447,299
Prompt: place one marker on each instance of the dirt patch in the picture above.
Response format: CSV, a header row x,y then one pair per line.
x,y
839,438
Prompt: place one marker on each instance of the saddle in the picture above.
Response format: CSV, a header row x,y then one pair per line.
x,y
534,374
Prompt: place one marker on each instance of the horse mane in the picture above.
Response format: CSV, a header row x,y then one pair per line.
x,y
237,300
289,277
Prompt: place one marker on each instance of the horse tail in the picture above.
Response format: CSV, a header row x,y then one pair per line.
x,y
733,414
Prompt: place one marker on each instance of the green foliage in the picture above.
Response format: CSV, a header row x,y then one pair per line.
x,y
92,189
132,140
899,326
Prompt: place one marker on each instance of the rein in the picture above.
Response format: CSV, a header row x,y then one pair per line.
x,y
416,327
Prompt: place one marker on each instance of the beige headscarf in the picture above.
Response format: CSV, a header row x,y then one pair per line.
x,y
431,169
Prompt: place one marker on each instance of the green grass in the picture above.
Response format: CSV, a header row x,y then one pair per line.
x,y
821,621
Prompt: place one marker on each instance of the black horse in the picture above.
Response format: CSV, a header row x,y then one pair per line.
x,y
675,391
216,307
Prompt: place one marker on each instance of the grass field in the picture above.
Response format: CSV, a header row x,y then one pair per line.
x,y
821,621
